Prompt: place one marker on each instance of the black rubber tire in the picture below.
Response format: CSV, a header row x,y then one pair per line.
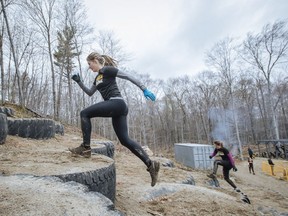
x,y
213,182
9,112
104,148
3,128
24,128
59,128
49,128
13,126
190,180
32,128
102,180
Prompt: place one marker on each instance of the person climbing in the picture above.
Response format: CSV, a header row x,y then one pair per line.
x,y
227,162
113,106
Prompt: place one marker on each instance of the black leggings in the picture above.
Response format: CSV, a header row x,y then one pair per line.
x,y
251,167
117,109
226,168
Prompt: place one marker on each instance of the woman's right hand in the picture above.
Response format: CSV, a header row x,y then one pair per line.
x,y
149,95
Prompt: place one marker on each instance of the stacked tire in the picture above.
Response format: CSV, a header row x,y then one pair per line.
x,y
3,128
9,112
103,147
32,128
100,180
59,128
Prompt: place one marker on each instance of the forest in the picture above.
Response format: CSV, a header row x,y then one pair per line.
x,y
241,98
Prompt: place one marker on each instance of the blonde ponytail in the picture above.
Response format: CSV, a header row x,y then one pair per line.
x,y
105,60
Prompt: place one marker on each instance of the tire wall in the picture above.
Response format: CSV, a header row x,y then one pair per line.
x,y
59,128
107,149
101,180
32,128
3,128
9,112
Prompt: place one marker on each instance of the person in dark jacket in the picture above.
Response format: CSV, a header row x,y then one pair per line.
x,y
250,152
227,162
270,162
113,106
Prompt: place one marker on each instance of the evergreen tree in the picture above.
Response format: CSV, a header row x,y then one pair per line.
x,y
64,55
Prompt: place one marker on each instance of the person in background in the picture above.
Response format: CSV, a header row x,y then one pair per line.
x,y
250,165
250,152
270,162
113,106
227,162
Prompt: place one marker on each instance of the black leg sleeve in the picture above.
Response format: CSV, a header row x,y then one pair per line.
x,y
121,130
226,176
216,164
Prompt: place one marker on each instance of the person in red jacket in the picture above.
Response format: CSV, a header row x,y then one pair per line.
x,y
250,165
227,162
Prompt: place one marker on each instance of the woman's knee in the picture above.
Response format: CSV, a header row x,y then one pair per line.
x,y
226,178
83,114
126,141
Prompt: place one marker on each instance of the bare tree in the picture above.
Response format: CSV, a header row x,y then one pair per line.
x,y
205,91
109,44
3,95
265,51
245,93
280,94
41,12
13,52
223,57
175,91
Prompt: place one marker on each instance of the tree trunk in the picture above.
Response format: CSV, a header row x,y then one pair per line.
x,y
13,53
52,76
262,108
284,118
275,129
58,102
70,97
2,68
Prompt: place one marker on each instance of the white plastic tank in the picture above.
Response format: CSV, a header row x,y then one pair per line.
x,y
194,155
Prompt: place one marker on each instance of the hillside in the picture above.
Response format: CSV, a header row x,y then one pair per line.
x,y
134,195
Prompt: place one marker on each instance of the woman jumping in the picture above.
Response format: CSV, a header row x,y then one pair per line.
x,y
113,106
227,162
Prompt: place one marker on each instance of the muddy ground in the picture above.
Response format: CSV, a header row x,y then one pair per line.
x,y
134,195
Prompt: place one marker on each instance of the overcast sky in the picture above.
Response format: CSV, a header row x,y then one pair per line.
x,y
168,38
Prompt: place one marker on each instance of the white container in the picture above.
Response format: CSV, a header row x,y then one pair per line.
x,y
194,155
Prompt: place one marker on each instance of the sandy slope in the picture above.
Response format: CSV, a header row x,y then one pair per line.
x,y
135,196
269,196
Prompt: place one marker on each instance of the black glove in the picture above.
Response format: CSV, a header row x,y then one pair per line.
x,y
210,156
76,78
235,169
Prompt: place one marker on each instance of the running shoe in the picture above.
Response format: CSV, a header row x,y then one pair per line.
x,y
81,151
153,169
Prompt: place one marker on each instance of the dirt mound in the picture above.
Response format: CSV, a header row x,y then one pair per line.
x,y
21,112
134,195
30,195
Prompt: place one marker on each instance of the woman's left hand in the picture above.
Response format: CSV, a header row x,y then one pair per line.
x,y
149,95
